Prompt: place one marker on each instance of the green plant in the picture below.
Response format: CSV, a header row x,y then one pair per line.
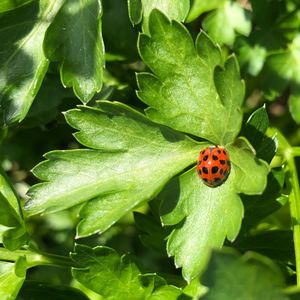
x,y
240,240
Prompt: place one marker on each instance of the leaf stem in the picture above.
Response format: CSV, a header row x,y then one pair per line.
x,y
294,200
289,153
35,259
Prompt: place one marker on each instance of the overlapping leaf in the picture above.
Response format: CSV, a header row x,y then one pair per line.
x,y
226,22
115,277
186,92
14,233
199,7
12,276
230,277
74,40
22,60
141,9
130,161
205,216
283,66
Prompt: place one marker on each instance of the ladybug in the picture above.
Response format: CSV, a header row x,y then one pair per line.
x,y
213,165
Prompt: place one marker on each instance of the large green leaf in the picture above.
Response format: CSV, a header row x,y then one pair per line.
x,y
205,216
14,233
250,277
22,60
141,10
114,277
226,22
74,40
186,92
131,160
12,276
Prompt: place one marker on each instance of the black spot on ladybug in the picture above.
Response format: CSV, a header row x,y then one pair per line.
x,y
203,152
222,161
221,171
199,172
214,170
215,157
224,152
225,173
205,157
219,151
205,170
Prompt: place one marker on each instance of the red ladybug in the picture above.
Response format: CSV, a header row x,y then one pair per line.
x,y
213,166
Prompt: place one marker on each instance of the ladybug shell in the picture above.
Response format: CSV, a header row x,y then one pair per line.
x,y
213,166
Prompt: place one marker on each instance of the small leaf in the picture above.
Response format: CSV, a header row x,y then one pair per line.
x,y
205,216
198,7
131,160
12,276
23,63
74,40
230,277
182,93
226,22
135,11
39,290
14,235
115,277
282,70
153,235
140,10
255,129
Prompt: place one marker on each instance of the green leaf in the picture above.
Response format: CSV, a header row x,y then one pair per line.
x,y
39,290
14,235
258,208
283,66
23,63
185,93
276,244
255,129
6,5
226,22
205,216
12,276
135,11
130,161
141,10
198,7
153,235
251,277
114,277
74,40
